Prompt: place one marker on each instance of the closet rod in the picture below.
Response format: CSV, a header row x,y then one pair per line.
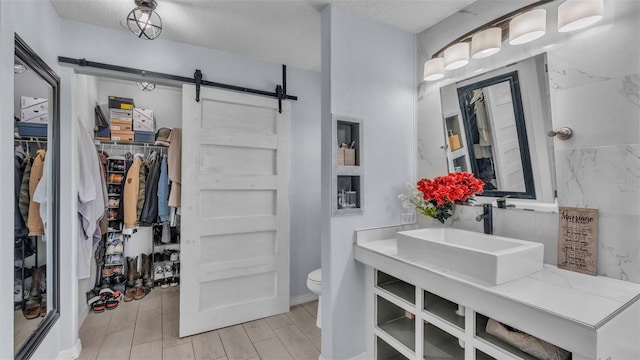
x,y
195,80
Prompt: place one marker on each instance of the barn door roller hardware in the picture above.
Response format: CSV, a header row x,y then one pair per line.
x,y
280,92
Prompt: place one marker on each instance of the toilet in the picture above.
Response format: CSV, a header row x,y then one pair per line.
x,y
314,283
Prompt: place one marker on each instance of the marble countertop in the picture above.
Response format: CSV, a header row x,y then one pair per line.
x,y
588,300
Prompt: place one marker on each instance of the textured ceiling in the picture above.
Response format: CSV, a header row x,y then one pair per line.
x,y
280,31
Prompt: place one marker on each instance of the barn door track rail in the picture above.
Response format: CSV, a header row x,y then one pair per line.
x,y
280,92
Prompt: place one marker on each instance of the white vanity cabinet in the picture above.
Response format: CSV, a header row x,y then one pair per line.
x,y
421,312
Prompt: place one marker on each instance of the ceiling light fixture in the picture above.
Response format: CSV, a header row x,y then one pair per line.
x,y
144,21
456,56
486,43
520,26
434,69
146,86
527,27
578,14
19,68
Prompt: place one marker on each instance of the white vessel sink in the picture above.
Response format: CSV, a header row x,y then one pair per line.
x,y
491,258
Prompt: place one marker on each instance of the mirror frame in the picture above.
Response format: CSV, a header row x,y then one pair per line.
x,y
35,63
525,157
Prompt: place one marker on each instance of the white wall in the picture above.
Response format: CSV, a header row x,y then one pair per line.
x,y
6,182
594,76
368,74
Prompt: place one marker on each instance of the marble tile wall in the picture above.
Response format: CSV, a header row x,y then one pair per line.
x,y
594,79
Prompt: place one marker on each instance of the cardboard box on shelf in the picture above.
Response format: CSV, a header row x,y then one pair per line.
x,y
121,115
26,101
340,157
118,125
116,102
122,136
346,157
40,119
349,157
34,111
143,120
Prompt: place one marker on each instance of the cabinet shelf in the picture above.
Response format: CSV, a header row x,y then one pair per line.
x,y
481,332
387,352
396,287
392,320
443,308
347,167
440,345
348,170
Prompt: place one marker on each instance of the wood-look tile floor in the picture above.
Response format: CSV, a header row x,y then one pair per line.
x,y
148,329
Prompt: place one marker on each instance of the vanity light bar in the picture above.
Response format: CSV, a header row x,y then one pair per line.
x,y
522,26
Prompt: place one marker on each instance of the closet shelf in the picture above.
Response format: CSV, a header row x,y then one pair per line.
x,y
130,144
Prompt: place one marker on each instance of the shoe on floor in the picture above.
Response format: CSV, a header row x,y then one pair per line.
x,y
130,294
141,292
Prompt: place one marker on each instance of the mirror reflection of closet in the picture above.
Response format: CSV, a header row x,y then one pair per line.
x,y
36,170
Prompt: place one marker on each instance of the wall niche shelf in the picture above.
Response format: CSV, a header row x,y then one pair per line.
x,y
347,173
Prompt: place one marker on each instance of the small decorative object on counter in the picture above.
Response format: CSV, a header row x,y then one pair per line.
x,y
437,198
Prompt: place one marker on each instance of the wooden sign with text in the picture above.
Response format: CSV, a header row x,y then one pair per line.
x,y
578,239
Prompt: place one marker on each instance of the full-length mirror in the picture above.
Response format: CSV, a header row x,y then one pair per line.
x,y
496,126
36,144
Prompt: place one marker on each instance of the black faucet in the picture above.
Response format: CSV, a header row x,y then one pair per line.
x,y
487,216
502,202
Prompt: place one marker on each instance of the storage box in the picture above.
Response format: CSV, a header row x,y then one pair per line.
x,y
40,119
121,115
102,133
346,157
120,125
32,129
454,141
349,157
122,136
143,120
144,136
116,102
26,101
34,111
340,157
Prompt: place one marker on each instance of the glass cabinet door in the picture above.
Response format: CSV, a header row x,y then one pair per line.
x,y
396,322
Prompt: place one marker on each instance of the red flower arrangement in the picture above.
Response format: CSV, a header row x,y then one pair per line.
x,y
437,198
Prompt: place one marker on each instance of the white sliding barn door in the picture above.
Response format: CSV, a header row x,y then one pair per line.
x,y
235,209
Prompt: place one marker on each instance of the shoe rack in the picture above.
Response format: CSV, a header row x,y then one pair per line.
x,y
114,261
166,254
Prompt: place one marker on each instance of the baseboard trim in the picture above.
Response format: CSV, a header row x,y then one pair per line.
x,y
71,353
82,315
362,356
303,298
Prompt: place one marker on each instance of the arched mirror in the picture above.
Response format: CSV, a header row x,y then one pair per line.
x,y
36,209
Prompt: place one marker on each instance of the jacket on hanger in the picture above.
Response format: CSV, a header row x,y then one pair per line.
x,y
34,222
23,201
142,193
163,191
150,210
175,167
131,188
19,227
